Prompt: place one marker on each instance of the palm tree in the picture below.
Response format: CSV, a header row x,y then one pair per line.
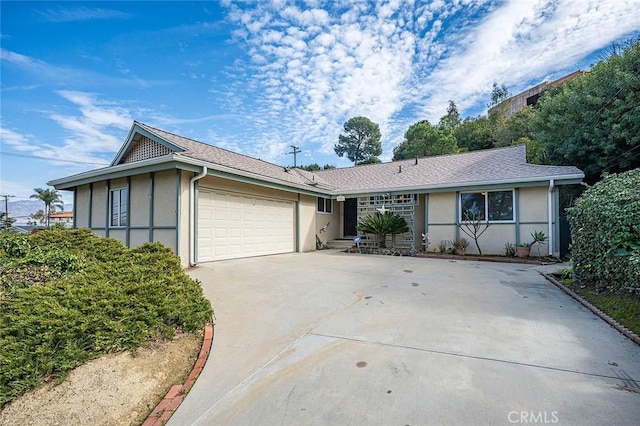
x,y
382,224
51,199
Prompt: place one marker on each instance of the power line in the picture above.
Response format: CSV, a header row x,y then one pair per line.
x,y
13,154
294,151
7,223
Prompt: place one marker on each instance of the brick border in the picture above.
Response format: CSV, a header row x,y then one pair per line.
x,y
172,400
584,302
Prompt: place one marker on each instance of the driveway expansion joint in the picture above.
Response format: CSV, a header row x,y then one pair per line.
x,y
476,357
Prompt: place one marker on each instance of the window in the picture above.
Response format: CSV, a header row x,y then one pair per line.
x,y
118,204
495,206
324,205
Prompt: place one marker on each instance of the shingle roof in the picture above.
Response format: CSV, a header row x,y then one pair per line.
x,y
500,165
492,165
215,155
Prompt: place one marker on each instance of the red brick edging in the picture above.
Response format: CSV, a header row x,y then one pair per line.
x,y
172,400
502,259
584,302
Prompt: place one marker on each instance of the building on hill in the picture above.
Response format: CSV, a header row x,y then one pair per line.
x,y
530,97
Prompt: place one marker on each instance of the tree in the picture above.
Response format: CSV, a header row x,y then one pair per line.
x,y
361,140
6,222
37,217
592,121
422,139
51,199
498,94
452,119
381,224
475,133
474,226
313,167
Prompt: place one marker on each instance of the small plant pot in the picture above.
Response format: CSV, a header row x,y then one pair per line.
x,y
523,251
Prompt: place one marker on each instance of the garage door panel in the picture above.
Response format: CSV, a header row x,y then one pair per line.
x,y
233,226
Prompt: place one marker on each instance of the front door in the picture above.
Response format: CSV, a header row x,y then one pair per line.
x,y
350,217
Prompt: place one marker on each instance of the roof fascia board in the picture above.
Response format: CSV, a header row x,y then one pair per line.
x,y
136,128
252,178
128,169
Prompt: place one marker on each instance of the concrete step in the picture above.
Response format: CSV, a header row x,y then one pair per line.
x,y
341,244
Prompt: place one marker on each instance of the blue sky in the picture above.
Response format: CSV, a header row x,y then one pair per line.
x,y
257,77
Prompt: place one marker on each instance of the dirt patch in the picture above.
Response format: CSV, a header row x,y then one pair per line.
x,y
118,389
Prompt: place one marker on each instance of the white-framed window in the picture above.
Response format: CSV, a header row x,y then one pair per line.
x,y
492,206
118,207
324,205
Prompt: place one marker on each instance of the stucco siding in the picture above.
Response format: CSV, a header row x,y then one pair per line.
x,y
99,210
164,199
138,237
419,222
308,223
81,207
333,219
139,196
166,237
533,204
494,239
442,208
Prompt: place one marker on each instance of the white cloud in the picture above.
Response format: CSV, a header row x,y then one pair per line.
x,y
398,62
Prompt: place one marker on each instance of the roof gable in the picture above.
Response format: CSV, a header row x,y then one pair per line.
x,y
143,145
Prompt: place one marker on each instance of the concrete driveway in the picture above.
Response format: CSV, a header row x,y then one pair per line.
x,y
329,338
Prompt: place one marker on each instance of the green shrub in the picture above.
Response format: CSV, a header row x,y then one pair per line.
x,y
98,297
605,229
382,224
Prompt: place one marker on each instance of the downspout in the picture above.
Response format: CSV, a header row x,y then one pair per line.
x,y
550,205
192,215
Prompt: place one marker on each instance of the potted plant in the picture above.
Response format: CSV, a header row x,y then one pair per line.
x,y
461,244
523,249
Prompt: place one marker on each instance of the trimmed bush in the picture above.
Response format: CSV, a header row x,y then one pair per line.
x,y
605,229
70,296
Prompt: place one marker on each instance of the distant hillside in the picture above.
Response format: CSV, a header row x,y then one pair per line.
x,y
21,210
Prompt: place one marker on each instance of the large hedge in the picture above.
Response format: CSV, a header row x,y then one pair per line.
x,y
69,296
605,228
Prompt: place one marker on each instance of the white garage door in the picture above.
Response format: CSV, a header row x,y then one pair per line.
x,y
231,226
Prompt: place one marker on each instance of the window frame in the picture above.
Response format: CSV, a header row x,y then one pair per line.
x,y
122,198
485,195
327,202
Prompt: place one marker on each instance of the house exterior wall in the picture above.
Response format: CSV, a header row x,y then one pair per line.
x,y
81,206
334,219
441,215
530,214
151,211
419,222
308,223
533,212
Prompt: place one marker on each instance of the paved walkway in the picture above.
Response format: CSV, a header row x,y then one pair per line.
x,y
328,338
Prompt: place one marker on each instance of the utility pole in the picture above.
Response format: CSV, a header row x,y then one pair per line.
x,y
294,151
6,210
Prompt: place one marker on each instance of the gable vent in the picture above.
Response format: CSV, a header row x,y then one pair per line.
x,y
144,149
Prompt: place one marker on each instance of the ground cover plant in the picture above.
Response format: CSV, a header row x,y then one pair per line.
x,y
623,308
69,296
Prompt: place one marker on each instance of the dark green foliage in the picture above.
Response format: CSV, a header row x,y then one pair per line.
x,y
475,133
593,121
70,296
382,224
361,140
605,228
422,139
